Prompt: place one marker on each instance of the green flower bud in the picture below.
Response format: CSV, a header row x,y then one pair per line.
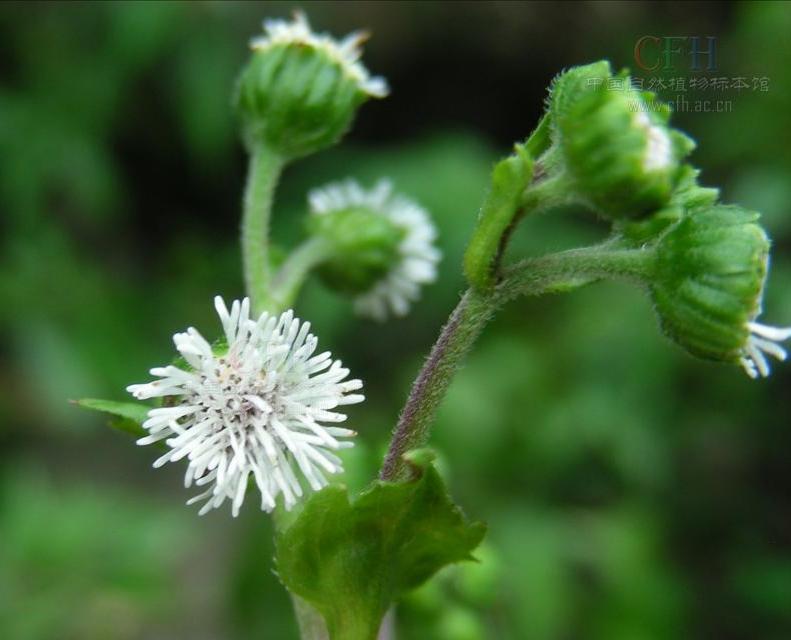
x,y
364,247
709,280
300,91
381,246
622,157
687,197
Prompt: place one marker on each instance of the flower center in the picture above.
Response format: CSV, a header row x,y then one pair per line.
x,y
235,396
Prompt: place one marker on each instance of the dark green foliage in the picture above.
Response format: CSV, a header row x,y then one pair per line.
x,y
352,561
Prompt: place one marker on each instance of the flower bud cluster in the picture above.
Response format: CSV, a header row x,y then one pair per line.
x,y
613,150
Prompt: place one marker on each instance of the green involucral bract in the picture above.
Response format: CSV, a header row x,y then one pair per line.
x,y
710,273
126,416
614,141
352,560
510,178
296,99
687,197
570,85
363,247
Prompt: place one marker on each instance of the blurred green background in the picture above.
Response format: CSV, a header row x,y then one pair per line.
x,y
632,492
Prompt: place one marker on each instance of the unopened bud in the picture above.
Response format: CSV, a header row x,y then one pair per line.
x,y
300,91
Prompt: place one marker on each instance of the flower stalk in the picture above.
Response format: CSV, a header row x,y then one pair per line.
x,y
534,276
289,279
262,178
455,340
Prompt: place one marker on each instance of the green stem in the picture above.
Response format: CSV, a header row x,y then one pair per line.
x,y
534,276
548,192
564,270
289,279
455,341
263,174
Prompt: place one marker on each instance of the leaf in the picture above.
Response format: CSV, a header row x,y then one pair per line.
x,y
540,139
353,560
127,416
510,177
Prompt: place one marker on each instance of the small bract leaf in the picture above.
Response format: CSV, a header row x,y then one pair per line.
x,y
419,459
353,560
134,411
127,425
127,416
510,178
541,138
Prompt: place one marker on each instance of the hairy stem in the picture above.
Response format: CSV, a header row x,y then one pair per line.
x,y
455,340
262,177
567,269
547,191
288,281
535,276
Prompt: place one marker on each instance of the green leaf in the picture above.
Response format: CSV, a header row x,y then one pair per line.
x,y
510,178
127,416
539,141
353,560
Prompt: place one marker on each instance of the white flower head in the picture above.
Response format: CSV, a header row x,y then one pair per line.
x,y
762,341
346,52
417,260
252,411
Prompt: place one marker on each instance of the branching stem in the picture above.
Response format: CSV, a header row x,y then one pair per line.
x,y
534,276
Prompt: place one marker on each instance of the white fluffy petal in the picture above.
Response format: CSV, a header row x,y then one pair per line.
x,y
252,414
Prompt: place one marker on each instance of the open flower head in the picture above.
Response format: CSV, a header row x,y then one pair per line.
x,y
261,409
413,262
